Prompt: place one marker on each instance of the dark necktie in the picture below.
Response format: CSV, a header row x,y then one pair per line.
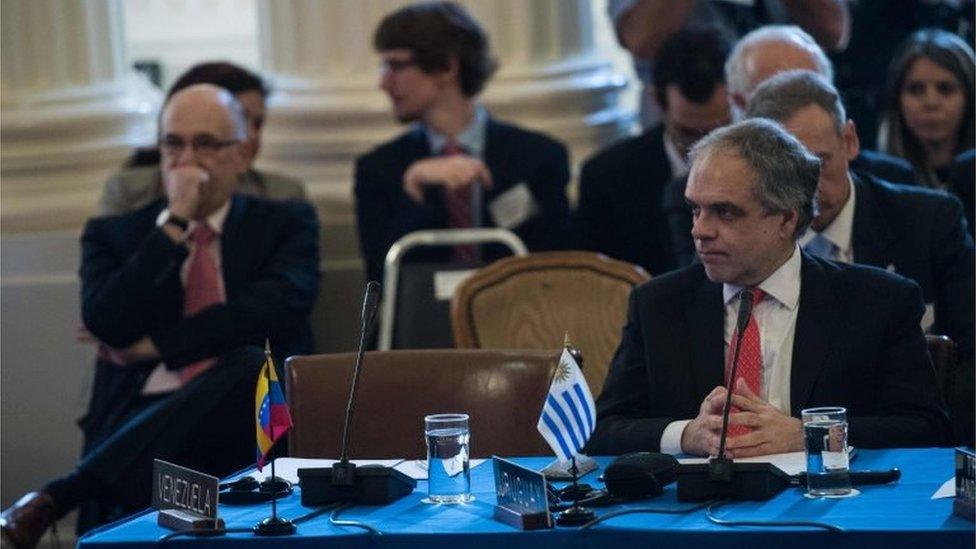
x,y
458,204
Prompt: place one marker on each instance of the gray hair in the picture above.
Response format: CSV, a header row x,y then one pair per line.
x,y
214,94
787,174
780,97
735,76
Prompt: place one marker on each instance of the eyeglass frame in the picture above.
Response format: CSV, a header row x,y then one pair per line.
x,y
201,145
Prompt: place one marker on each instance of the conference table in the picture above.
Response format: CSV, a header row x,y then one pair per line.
x,y
902,514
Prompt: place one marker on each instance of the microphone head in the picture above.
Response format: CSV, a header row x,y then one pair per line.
x,y
370,301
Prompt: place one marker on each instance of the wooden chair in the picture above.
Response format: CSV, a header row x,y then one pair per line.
x,y
531,302
502,391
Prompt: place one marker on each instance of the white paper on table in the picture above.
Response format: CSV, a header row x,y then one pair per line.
x,y
287,467
947,490
791,463
417,468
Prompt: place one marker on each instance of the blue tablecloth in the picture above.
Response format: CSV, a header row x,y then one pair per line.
x,y
898,515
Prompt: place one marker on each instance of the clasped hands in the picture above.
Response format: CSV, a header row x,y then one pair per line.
x,y
142,349
450,172
772,431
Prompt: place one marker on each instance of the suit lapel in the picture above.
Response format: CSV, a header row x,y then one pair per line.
x,y
234,251
814,335
872,237
494,144
706,324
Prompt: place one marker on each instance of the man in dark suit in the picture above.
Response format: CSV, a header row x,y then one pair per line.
x,y
821,333
619,212
458,167
916,232
181,294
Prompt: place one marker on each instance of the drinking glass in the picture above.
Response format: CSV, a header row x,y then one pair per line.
x,y
825,438
448,471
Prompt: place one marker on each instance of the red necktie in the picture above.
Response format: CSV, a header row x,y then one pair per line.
x,y
458,203
202,288
750,359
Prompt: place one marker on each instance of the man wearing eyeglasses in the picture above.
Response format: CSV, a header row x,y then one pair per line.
x,y
141,181
182,294
458,167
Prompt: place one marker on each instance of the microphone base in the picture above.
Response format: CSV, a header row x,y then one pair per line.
x,y
371,486
735,481
274,526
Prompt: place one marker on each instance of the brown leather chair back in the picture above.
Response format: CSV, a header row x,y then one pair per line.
x,y
531,302
502,391
942,350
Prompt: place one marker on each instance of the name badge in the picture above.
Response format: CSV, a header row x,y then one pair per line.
x,y
513,207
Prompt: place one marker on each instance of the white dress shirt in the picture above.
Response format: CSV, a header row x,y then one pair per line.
x,y
162,380
776,317
839,232
679,164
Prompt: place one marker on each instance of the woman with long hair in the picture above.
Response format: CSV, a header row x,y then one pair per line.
x,y
928,118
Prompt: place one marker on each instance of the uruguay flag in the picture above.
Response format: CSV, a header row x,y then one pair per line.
x,y
569,414
271,410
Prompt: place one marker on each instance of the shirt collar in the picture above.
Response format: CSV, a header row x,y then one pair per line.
x,y
783,285
471,138
679,164
215,220
840,229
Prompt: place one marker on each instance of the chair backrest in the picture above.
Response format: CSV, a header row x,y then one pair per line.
x,y
942,350
531,302
416,297
502,391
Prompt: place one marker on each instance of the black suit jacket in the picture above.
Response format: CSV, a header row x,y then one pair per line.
x,y
884,166
514,156
130,287
920,234
620,211
962,183
857,344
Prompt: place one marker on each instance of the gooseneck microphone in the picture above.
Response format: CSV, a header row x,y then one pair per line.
x,y
721,477
720,466
370,303
370,484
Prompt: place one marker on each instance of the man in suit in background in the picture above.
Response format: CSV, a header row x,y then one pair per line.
x,y
619,212
182,294
820,333
458,167
758,56
140,183
916,232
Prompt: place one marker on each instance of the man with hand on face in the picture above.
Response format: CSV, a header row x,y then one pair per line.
x,y
820,333
458,167
182,294
916,232
620,211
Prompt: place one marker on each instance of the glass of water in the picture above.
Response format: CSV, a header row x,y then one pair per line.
x,y
448,471
825,438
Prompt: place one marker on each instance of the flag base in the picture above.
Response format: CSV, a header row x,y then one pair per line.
x,y
575,516
274,526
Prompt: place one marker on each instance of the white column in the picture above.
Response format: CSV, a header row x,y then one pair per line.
x,y
71,109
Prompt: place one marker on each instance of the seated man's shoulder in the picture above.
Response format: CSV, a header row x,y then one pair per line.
x,y
130,189
396,146
279,186
673,285
914,201
627,151
525,141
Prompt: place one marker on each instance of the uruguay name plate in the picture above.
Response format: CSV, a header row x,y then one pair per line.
x,y
186,499
523,501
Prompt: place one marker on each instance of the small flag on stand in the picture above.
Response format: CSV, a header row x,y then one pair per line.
x,y
569,414
271,410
